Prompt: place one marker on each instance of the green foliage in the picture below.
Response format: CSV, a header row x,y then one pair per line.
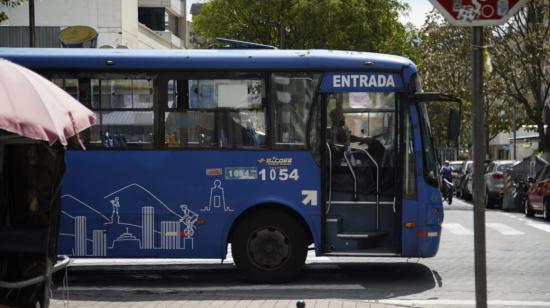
x,y
523,62
445,53
8,3
304,24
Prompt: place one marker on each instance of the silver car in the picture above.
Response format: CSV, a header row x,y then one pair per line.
x,y
494,181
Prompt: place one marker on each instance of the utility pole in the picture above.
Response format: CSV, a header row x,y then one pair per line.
x,y
32,26
514,157
281,26
479,157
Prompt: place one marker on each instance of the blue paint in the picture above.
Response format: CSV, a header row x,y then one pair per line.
x,y
421,211
148,189
195,59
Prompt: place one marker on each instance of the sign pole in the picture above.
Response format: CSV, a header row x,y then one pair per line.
x,y
479,148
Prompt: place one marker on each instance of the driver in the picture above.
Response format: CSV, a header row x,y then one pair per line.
x,y
341,134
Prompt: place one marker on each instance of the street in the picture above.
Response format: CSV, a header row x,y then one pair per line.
x,y
517,263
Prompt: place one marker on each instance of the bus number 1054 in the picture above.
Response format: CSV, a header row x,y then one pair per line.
x,y
278,174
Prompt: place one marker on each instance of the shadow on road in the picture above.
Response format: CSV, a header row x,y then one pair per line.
x,y
353,281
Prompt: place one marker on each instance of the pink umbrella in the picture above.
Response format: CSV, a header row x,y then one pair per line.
x,y
34,107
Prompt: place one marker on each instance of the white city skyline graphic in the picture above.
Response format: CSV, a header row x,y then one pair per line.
x,y
118,235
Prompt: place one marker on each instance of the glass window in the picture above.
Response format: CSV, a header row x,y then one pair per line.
x,y
379,125
190,128
543,173
69,85
122,93
409,184
124,109
369,100
431,171
489,168
504,167
292,95
221,113
117,129
226,93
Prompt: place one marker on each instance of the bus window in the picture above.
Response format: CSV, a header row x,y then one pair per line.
x,y
364,121
125,113
409,166
69,85
222,113
292,95
430,169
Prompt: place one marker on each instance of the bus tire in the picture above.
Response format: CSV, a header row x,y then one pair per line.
x,y
269,246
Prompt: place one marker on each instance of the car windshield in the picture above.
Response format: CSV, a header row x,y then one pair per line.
x,y
504,167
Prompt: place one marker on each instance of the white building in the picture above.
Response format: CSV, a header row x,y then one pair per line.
x,y
139,24
501,146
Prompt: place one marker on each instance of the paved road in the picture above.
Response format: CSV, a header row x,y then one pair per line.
x,y
518,263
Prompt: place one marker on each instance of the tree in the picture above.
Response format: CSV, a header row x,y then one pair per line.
x,y
445,53
522,49
8,3
303,24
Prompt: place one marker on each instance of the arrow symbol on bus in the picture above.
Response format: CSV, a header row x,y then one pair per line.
x,y
310,197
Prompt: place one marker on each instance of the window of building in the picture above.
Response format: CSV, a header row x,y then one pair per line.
x,y
152,17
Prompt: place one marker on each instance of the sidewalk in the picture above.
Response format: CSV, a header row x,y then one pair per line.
x,y
212,301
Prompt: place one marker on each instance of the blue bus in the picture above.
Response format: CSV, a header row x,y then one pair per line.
x,y
268,152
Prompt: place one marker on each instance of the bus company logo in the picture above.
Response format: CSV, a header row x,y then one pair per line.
x,y
275,161
363,81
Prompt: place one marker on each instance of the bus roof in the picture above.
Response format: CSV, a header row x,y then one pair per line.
x,y
207,59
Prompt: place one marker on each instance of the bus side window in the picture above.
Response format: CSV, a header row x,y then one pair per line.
x,y
125,113
292,95
219,113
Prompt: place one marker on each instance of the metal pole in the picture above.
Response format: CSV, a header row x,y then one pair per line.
x,y
479,156
514,129
32,27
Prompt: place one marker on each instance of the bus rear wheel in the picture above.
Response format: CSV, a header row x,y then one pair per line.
x,y
269,246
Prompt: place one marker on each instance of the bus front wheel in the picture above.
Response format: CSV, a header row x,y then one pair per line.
x,y
269,246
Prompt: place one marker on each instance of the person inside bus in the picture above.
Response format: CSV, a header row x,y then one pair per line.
x,y
340,134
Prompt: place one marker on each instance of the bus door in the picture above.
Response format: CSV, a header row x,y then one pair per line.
x,y
360,125
422,214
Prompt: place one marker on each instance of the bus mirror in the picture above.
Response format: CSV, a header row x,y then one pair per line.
x,y
454,126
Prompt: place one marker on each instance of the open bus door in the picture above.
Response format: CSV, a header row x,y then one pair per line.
x,y
359,172
364,174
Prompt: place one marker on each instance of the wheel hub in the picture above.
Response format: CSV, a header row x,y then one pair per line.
x,y
268,248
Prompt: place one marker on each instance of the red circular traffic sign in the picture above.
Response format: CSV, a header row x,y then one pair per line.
x,y
477,12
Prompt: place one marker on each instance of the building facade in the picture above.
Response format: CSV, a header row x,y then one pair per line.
x,y
135,24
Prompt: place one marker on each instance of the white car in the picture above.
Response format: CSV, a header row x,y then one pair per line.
x,y
494,181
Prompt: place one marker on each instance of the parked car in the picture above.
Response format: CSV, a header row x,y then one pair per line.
x,y
456,166
462,180
494,181
516,182
538,195
468,181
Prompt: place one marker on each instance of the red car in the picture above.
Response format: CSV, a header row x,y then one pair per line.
x,y
538,195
